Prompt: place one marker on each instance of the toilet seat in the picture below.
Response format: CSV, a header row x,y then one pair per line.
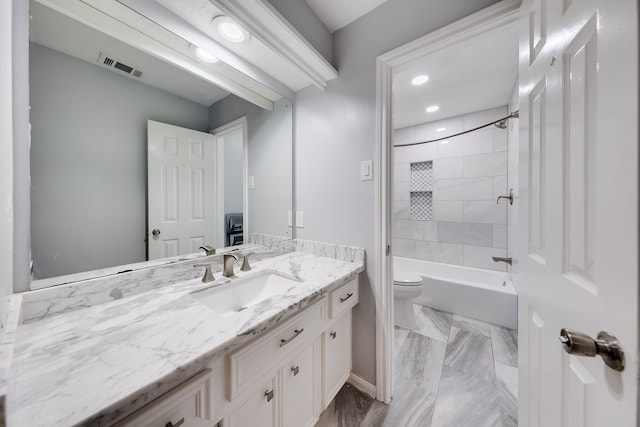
x,y
404,278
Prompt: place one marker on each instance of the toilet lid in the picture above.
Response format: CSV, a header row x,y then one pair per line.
x,y
405,278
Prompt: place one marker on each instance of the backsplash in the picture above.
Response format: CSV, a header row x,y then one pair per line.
x,y
444,198
38,304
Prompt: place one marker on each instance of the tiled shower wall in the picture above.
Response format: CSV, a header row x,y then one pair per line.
x,y
469,173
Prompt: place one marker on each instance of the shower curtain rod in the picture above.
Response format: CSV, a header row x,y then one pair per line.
x,y
501,123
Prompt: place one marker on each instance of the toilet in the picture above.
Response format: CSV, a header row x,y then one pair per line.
x,y
406,287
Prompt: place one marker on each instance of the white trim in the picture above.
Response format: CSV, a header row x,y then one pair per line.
x,y
268,25
493,17
362,385
238,124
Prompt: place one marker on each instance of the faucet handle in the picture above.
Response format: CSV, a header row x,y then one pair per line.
x,y
209,250
208,274
245,262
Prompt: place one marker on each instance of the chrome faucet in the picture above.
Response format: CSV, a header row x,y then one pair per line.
x,y
209,250
508,260
228,260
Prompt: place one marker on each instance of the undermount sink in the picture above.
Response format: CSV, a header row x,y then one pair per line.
x,y
244,292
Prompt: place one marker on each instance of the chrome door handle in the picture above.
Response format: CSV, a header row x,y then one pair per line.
x,y
156,232
606,345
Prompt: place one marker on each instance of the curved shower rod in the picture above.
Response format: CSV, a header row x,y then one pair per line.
x,y
501,123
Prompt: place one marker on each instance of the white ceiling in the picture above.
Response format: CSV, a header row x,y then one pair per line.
x,y
59,32
336,14
472,76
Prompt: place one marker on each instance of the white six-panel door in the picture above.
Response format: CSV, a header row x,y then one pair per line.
x,y
181,190
579,208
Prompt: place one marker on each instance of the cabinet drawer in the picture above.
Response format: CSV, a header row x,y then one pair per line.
x,y
190,401
343,298
259,359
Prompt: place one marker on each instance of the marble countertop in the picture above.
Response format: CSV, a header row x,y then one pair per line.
x,y
92,365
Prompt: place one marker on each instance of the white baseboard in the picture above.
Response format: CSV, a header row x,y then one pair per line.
x,y
362,385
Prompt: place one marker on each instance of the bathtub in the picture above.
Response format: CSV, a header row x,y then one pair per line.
x,y
480,294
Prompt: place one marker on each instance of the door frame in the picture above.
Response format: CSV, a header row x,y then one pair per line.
x,y
220,131
502,13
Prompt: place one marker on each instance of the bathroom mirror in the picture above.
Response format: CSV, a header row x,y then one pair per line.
x,y
96,82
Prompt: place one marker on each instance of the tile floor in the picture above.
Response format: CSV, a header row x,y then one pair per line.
x,y
451,371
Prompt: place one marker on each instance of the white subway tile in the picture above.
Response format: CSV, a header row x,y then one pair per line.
x,y
401,209
488,164
500,188
415,153
472,143
483,117
448,168
466,233
403,247
448,210
439,252
475,256
428,131
430,231
401,172
401,190
465,189
404,136
500,139
408,229
499,236
487,212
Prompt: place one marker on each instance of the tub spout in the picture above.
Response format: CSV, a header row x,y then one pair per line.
x,y
508,260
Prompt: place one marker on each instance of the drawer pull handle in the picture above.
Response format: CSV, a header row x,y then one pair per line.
x,y
349,295
269,395
178,424
295,334
333,334
295,370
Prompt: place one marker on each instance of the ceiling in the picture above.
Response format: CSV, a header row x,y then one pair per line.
x,y
336,14
59,32
475,75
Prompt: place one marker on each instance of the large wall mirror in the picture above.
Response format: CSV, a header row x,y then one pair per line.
x,y
143,150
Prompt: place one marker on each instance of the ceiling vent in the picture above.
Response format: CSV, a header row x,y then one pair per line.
x,y
110,62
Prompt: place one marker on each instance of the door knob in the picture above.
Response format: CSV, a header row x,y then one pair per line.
x,y
606,345
156,232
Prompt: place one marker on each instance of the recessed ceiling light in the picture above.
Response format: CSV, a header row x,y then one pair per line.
x,y
432,109
420,80
230,30
205,56
441,129
446,141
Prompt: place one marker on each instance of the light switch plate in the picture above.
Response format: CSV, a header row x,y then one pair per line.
x,y
366,170
299,219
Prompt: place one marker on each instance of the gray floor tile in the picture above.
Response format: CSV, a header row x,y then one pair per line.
x,y
473,325
348,409
420,361
469,353
433,323
466,401
412,406
399,335
507,387
505,345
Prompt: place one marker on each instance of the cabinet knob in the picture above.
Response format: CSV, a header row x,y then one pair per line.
x,y
333,334
269,395
295,370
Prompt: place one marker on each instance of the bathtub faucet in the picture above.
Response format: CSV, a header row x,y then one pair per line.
x,y
508,260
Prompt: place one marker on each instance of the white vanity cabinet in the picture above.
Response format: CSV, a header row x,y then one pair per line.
x,y
336,357
189,404
258,409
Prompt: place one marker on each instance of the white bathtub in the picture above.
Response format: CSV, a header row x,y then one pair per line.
x,y
480,294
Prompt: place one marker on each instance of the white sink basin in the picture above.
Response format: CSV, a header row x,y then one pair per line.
x,y
241,293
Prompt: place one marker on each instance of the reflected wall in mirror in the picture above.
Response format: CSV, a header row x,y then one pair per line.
x,y
91,98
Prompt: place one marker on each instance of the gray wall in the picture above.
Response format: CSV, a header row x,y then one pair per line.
x,y
335,130
88,161
233,173
270,154
304,19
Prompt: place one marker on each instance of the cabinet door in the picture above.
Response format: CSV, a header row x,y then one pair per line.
x,y
259,409
301,389
336,357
